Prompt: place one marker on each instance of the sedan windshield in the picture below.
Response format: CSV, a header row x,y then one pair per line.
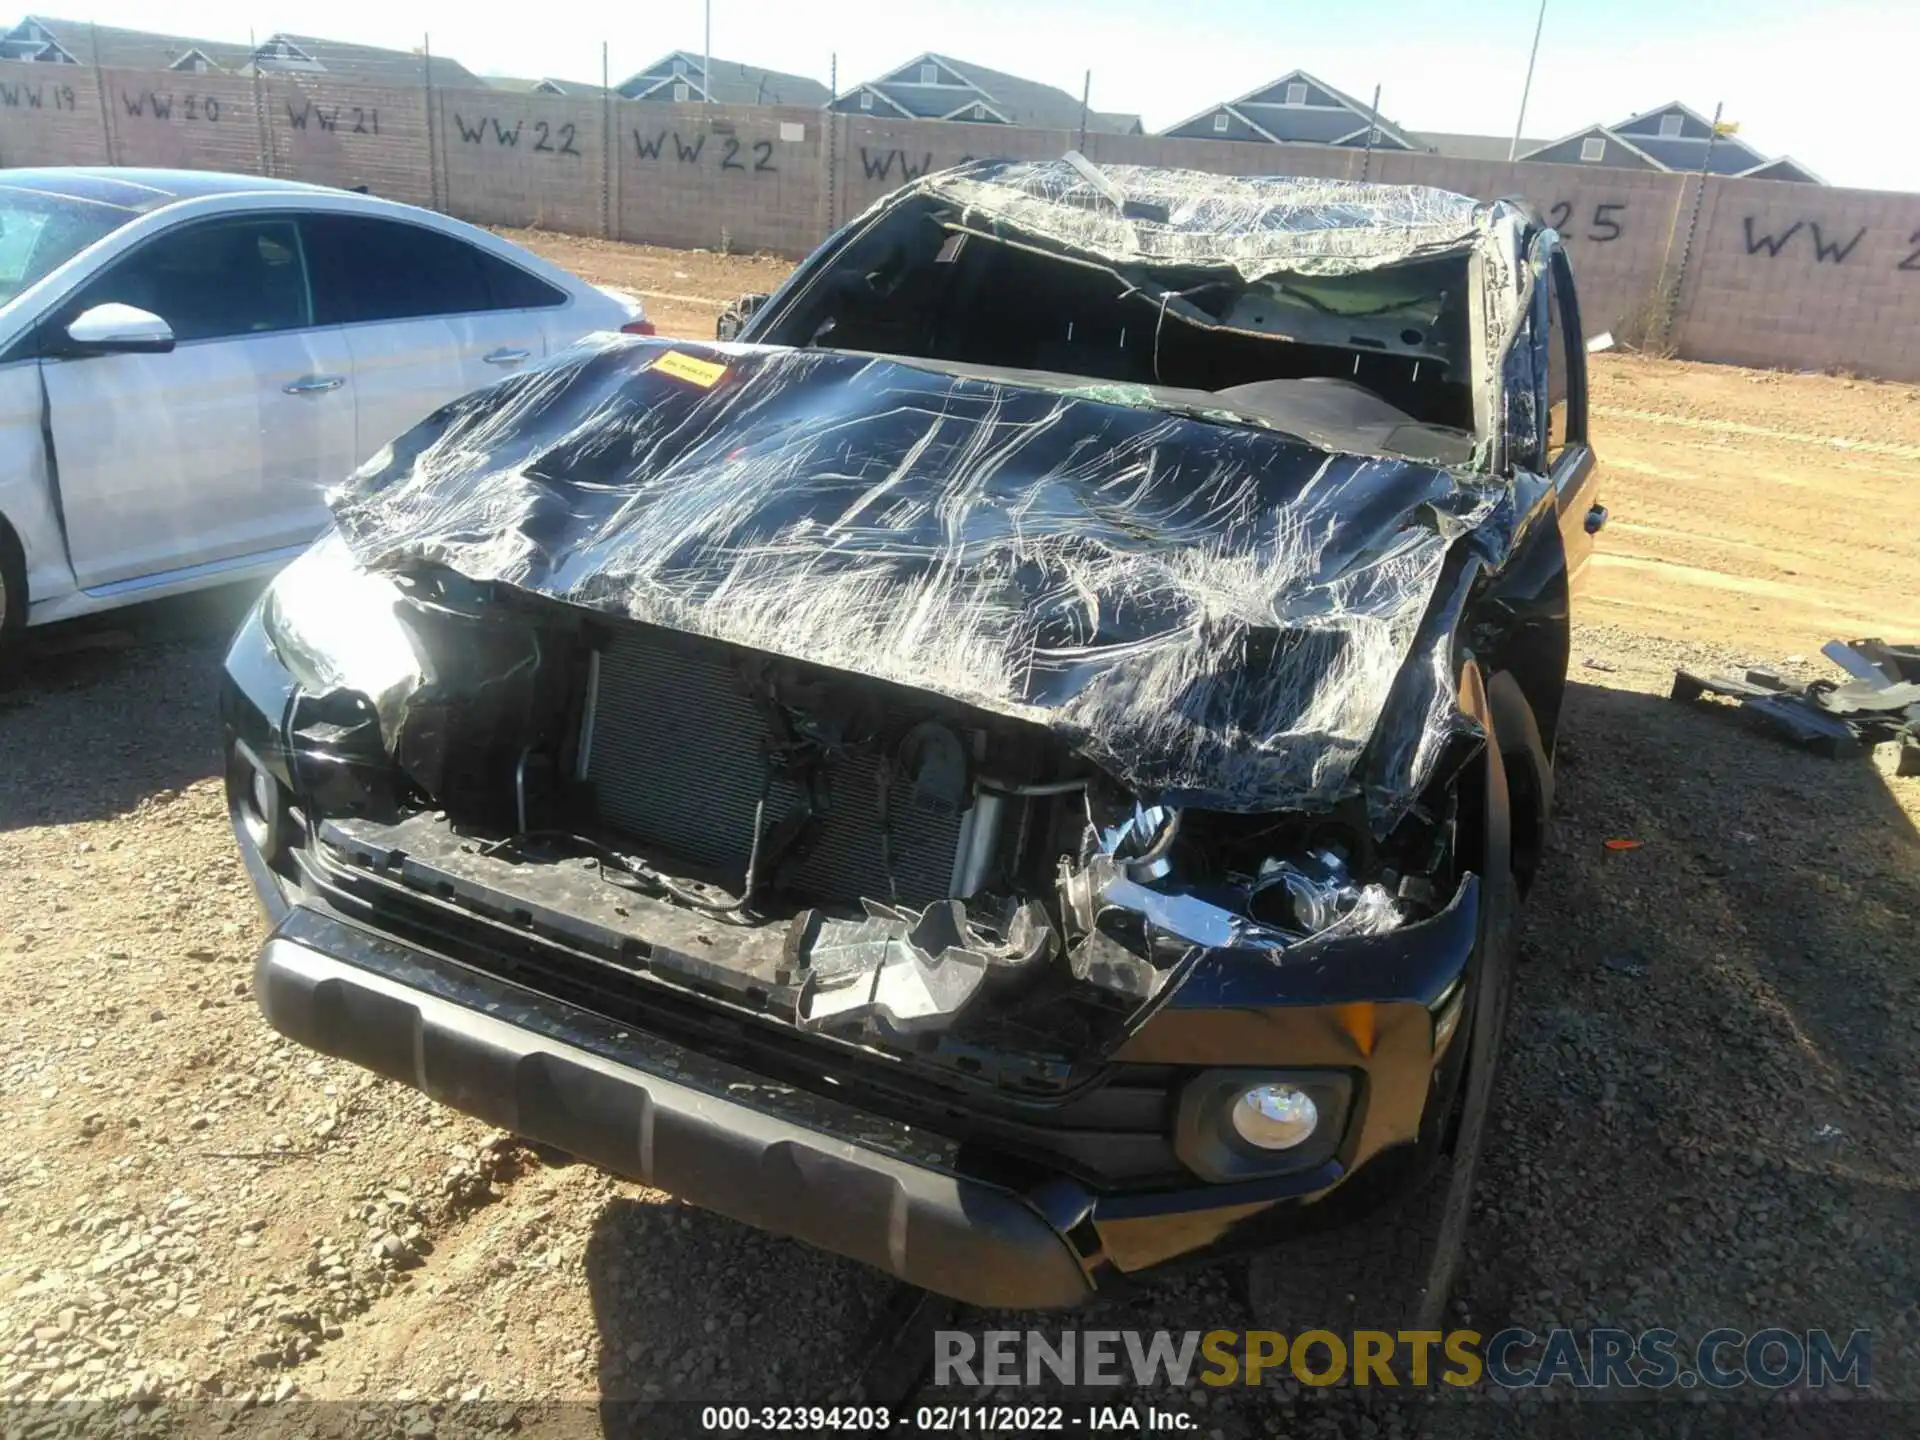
x,y
40,232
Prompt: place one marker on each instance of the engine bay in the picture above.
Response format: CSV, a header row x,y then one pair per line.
x,y
842,854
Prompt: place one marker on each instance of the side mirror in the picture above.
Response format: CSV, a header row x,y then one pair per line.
x,y
116,329
734,318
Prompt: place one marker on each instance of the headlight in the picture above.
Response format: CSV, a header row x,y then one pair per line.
x,y
1274,1117
1316,893
333,626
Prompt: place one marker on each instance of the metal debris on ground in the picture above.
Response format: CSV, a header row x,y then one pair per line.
x,y
1632,963
1878,704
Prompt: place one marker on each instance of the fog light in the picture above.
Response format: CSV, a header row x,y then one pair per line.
x,y
1275,1117
258,800
1242,1123
266,795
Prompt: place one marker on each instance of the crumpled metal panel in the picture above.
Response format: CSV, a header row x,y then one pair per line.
x,y
1216,614
1254,225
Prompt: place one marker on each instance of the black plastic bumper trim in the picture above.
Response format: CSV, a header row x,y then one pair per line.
x,y
478,1046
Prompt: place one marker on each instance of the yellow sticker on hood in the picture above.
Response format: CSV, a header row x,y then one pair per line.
x,y
689,367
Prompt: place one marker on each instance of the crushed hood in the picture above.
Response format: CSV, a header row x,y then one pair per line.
x,y
1216,614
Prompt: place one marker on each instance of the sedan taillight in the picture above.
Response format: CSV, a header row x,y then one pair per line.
x,y
638,327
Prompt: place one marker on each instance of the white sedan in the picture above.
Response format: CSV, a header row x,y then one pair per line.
x,y
188,360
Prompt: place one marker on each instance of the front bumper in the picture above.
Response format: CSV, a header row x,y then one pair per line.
x,y
811,1160
765,1154
787,1160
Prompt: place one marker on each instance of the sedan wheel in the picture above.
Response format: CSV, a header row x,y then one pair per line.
x,y
13,604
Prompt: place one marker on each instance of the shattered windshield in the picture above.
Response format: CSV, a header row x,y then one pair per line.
x,y
1374,361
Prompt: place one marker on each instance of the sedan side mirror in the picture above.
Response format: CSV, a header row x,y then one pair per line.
x,y
116,329
734,318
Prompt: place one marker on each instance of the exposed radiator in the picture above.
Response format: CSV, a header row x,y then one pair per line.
x,y
674,746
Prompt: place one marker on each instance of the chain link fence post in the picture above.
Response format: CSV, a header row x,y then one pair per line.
x,y
100,87
260,111
435,199
606,146
1670,305
831,133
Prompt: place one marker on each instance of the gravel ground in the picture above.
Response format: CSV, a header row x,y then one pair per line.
x,y
1706,1116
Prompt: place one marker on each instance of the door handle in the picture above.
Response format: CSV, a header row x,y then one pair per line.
x,y
314,384
506,355
1596,519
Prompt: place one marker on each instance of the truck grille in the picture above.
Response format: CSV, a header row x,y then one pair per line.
x,y
675,744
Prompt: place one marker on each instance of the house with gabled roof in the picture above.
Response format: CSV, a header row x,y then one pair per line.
x,y
1784,167
45,40
938,87
42,39
682,76
1296,109
1673,138
1678,137
543,85
1593,145
284,53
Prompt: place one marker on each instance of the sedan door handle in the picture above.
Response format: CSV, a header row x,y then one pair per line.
x,y
506,355
314,384
1596,519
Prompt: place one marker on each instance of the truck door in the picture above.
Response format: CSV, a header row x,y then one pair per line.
x,y
1569,457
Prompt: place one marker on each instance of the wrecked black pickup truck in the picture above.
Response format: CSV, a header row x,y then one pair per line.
x,y
1017,769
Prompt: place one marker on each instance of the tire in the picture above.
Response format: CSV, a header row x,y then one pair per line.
x,y
13,606
1394,1269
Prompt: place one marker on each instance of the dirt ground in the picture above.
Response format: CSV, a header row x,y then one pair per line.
x,y
683,290
1707,1114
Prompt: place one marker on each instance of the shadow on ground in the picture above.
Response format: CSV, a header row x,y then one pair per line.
x,y
115,707
1706,1118
692,1308
1707,1111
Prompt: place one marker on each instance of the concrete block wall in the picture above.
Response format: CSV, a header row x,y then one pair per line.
x,y
877,155
1218,157
332,132
50,117
1806,278
1799,276
746,177
522,159
182,120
